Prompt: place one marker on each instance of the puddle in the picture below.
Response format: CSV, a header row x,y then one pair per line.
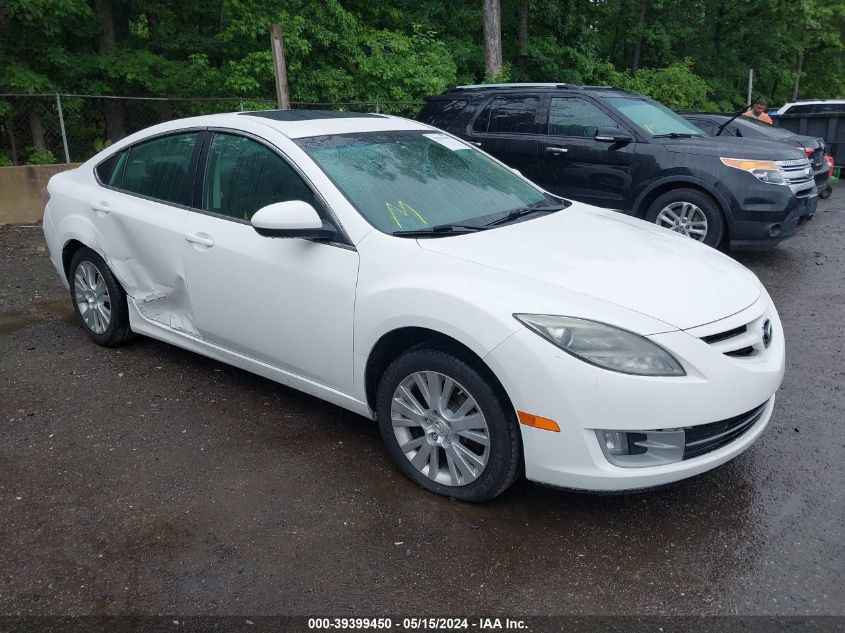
x,y
12,322
60,308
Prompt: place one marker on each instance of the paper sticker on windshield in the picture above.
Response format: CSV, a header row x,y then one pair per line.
x,y
447,141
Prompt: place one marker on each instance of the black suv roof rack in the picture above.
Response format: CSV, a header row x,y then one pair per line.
x,y
528,86
515,86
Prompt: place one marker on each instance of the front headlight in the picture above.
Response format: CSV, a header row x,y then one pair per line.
x,y
764,170
604,345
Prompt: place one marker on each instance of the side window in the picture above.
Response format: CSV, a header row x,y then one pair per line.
x,y
442,113
242,176
704,125
572,116
110,171
159,168
508,115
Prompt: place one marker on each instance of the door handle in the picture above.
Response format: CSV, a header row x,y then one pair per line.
x,y
199,239
476,143
556,150
101,208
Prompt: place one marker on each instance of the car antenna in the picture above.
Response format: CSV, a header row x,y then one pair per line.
x,y
731,120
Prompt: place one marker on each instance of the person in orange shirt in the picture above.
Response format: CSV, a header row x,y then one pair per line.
x,y
758,111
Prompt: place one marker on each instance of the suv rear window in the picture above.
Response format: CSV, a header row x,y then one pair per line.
x,y
509,115
440,113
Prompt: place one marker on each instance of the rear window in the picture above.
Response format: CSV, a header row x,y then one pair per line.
x,y
441,113
110,171
509,115
159,168
816,108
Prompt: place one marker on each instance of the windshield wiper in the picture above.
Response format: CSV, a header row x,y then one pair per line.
x,y
519,212
677,135
440,230
731,120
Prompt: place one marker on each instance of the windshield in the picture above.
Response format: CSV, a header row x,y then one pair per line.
x,y
412,180
653,118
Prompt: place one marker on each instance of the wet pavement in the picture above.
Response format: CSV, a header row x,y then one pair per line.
x,y
147,480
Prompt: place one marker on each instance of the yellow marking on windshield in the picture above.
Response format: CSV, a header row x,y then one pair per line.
x,y
402,209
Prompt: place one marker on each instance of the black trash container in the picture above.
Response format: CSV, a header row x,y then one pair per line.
x,y
821,120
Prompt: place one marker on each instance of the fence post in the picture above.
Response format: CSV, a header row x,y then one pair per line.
x,y
242,105
62,126
377,110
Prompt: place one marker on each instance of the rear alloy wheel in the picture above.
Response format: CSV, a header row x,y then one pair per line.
x,y
689,212
98,299
445,426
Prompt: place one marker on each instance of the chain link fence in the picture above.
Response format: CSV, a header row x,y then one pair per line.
x,y
38,129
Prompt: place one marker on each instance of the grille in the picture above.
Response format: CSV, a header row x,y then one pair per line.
x,y
796,172
706,438
723,336
740,342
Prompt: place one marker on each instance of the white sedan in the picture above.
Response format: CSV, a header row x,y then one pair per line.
x,y
490,328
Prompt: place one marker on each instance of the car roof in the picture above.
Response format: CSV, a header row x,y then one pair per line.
x,y
290,123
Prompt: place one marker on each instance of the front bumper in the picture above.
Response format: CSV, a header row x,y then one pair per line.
x,y
762,215
545,381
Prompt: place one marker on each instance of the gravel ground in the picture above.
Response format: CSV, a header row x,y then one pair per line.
x,y
150,480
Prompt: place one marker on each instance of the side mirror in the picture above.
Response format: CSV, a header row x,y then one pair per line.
x,y
612,135
294,218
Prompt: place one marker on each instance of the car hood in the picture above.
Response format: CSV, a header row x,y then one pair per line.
x,y
730,147
614,258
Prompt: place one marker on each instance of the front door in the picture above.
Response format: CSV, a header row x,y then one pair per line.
x,y
575,165
286,302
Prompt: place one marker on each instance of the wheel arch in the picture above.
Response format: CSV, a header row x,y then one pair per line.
x,y
658,188
394,343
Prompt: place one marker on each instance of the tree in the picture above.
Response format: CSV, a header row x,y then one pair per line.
x,y
492,11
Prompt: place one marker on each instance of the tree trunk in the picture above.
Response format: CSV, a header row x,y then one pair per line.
x,y
36,129
492,37
112,109
638,47
115,119
522,40
13,145
800,65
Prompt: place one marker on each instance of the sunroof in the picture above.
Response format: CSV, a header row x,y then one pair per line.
x,y
309,115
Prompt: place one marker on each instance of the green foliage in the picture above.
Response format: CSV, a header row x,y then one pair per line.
x,y
688,54
5,161
101,144
675,86
39,156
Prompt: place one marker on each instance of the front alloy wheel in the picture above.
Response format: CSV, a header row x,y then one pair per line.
x,y
448,425
684,218
690,212
440,428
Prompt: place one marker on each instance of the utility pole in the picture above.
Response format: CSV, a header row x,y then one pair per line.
x,y
750,83
282,95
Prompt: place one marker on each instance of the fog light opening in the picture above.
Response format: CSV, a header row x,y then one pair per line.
x,y
774,230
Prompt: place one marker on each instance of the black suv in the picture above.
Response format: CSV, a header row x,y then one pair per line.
x,y
621,150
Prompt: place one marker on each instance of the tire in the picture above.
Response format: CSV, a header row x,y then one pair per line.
x,y
825,191
435,430
699,209
98,299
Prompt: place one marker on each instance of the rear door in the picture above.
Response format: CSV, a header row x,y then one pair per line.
x,y
573,164
286,302
507,127
140,210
